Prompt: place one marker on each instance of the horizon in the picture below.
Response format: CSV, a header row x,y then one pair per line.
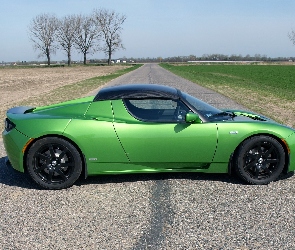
x,y
184,59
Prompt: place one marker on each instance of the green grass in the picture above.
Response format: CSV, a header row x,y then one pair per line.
x,y
266,89
278,80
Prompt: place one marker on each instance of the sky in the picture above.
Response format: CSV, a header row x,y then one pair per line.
x,y
163,28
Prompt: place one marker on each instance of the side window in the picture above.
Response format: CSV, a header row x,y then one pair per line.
x,y
157,110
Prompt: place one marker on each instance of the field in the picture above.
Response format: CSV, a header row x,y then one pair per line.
x,y
43,86
267,89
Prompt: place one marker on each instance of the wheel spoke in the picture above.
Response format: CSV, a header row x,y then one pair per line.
x,y
67,164
39,169
253,157
51,150
268,152
256,173
49,179
259,147
61,173
250,165
267,171
271,161
43,157
62,154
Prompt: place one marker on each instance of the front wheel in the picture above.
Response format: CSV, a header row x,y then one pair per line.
x,y
54,163
260,160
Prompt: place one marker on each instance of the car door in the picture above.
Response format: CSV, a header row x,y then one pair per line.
x,y
96,137
155,131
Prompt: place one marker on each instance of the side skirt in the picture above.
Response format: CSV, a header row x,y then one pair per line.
x,y
129,168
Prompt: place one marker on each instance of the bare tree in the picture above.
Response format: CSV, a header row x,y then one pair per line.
x,y
42,31
291,36
66,34
110,24
87,36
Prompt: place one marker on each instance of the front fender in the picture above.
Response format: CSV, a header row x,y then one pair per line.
x,y
231,135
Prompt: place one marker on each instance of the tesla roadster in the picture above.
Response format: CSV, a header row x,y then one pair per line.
x,y
144,128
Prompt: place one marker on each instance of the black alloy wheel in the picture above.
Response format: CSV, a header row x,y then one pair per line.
x,y
54,163
260,160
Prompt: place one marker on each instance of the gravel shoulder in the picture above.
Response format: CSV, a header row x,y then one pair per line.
x,y
156,211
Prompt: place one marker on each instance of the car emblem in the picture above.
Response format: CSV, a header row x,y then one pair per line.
x,y
233,132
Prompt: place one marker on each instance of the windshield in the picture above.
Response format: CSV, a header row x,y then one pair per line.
x,y
204,109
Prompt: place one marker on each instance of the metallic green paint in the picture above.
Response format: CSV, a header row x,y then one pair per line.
x,y
166,142
14,142
67,104
163,167
231,134
112,141
290,140
192,118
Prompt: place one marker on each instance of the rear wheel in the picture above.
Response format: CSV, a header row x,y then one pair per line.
x,y
54,163
260,160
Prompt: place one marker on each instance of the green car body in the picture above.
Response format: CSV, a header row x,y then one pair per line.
x,y
110,139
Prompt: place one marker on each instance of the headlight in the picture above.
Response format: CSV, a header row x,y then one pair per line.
x,y
9,125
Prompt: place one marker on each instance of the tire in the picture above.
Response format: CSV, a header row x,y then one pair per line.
x,y
260,160
54,163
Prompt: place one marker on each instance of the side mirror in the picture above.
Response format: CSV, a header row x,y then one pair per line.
x,y
192,118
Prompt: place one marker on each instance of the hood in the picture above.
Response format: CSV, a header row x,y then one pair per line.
x,y
242,115
250,115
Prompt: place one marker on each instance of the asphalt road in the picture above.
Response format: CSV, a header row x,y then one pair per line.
x,y
153,211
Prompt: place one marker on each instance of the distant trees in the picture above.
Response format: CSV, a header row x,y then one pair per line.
x,y
208,58
101,31
217,57
291,36
109,24
42,32
66,34
87,35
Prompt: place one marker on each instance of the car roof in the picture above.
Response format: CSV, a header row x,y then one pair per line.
x,y
137,91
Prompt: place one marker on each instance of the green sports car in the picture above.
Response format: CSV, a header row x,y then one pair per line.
x,y
144,128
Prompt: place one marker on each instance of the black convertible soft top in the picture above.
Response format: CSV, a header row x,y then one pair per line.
x,y
137,91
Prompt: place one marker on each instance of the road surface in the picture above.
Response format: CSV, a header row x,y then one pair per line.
x,y
151,211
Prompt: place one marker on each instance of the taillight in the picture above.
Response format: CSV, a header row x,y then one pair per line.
x,y
9,125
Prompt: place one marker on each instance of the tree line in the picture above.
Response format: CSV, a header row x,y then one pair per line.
x,y
209,57
100,31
